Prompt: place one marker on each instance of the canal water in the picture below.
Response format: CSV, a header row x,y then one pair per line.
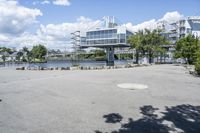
x,y
59,64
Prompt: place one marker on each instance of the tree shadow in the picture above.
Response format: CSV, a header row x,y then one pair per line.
x,y
184,117
113,118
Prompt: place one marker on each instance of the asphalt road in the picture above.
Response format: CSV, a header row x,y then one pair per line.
x,y
91,101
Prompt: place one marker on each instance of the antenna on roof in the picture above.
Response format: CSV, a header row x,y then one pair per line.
x,y
110,21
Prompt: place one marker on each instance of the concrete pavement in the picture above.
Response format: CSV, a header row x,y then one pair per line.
x,y
76,101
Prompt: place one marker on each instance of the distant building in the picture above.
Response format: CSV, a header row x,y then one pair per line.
x,y
4,55
174,31
110,37
116,37
183,27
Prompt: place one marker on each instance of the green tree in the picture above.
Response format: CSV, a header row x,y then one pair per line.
x,y
197,56
149,42
39,51
136,43
197,63
153,43
4,58
99,54
186,48
19,55
27,54
8,50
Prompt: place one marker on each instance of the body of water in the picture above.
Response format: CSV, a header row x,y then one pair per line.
x,y
59,64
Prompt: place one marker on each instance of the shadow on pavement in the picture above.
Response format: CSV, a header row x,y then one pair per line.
x,y
113,118
183,118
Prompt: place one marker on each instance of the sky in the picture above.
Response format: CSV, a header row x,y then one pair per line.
x,y
50,22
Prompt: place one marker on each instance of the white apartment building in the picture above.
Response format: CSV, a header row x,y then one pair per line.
x,y
183,27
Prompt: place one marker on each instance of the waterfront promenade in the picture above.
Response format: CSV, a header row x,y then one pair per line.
x,y
91,101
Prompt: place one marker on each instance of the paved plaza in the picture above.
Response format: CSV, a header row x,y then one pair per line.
x,y
91,101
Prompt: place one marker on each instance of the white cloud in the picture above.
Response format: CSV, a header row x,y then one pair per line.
x,y
60,34
3,38
169,17
54,2
45,2
54,35
14,19
151,24
61,2
63,31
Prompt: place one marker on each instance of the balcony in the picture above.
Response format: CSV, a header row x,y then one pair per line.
x,y
172,35
182,32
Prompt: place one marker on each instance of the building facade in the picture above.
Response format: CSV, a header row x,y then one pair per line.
x,y
110,37
116,37
177,30
183,27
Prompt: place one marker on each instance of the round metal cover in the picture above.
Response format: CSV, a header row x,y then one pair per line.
x,y
132,86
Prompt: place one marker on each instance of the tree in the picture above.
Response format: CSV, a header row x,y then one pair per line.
x,y
19,55
153,43
186,48
27,54
197,60
136,43
3,58
39,51
4,49
98,54
149,42
197,63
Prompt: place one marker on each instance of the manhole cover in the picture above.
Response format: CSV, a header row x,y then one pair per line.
x,y
132,86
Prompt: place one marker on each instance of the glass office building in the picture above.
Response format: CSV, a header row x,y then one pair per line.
x,y
108,38
116,37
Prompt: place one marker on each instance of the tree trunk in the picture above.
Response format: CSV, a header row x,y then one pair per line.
x,y
164,57
150,57
161,57
137,57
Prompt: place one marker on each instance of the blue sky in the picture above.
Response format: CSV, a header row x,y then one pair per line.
x,y
135,11
50,22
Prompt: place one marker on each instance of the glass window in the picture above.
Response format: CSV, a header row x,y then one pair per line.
x,y
109,41
106,31
122,36
102,33
122,40
106,41
98,34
